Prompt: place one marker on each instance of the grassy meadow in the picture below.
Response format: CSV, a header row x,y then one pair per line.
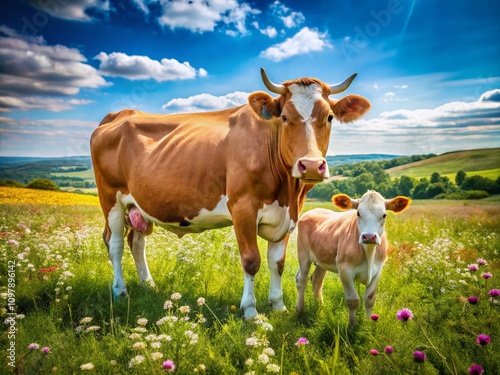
x,y
60,318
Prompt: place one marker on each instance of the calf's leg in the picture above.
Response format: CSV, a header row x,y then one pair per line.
x,y
370,292
317,283
301,282
351,296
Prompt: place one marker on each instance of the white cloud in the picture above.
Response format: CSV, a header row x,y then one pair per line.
x,y
270,31
490,96
289,18
206,102
118,64
8,103
305,41
74,10
30,67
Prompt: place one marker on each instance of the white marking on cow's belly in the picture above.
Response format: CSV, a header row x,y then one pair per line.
x,y
274,222
219,217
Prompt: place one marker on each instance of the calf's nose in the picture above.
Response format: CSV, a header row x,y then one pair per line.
x,y
369,238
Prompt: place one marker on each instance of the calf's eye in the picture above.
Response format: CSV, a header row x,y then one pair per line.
x,y
283,118
330,118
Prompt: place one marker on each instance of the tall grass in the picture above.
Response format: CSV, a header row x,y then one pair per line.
x,y
63,301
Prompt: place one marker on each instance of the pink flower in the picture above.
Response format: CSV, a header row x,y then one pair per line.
x,y
45,349
374,352
494,293
374,317
404,314
13,242
419,356
483,339
473,300
486,275
388,349
33,346
476,370
481,262
168,365
473,267
302,341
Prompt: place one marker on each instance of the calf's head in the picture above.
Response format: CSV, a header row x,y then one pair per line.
x,y
304,113
371,213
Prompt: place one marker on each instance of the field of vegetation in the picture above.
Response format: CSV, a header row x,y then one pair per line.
x,y
444,267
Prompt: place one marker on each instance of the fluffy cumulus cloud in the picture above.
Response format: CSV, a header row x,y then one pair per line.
x,y
119,64
305,41
206,102
74,10
289,18
461,125
29,67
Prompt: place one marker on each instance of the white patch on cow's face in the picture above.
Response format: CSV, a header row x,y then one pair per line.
x,y
371,218
304,98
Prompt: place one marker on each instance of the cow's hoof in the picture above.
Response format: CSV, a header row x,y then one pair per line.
x,y
277,306
150,284
249,313
119,292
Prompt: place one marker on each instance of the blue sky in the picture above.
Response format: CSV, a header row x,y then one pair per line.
x,y
430,68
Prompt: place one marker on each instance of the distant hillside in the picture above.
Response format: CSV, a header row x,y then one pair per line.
x,y
334,160
485,162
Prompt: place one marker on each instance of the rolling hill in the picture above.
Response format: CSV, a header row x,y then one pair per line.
x,y
484,162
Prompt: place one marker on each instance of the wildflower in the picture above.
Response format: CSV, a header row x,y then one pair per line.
x,y
164,337
252,341
13,242
494,293
87,366
476,370
135,336
263,358
140,329
473,267
249,362
419,356
33,346
269,351
92,328
47,270
481,262
156,356
302,341
374,317
388,349
142,321
272,368
374,352
487,275
175,297
168,305
473,300
267,326
113,362
138,359
404,314
233,308
168,365
200,301
156,345
184,309
45,350
483,339
139,345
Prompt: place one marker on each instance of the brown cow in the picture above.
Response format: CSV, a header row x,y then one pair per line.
x,y
351,243
249,166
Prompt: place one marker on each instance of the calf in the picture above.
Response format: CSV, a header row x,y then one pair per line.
x,y
351,243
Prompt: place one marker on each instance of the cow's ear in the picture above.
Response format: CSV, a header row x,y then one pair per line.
x,y
264,105
342,201
398,204
350,108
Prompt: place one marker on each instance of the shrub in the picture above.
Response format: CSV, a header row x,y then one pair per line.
x,y
476,194
42,184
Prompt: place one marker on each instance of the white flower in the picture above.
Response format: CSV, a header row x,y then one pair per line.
x,y
92,328
135,336
168,305
263,358
136,360
139,345
252,341
87,366
184,309
164,337
200,301
142,321
140,329
151,337
175,296
269,351
249,362
156,345
156,356
272,368
267,326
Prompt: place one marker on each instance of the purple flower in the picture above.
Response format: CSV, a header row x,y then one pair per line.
x,y
419,356
481,262
33,346
473,300
483,339
486,275
374,352
302,341
388,349
45,349
374,317
168,365
404,314
476,370
494,293
473,267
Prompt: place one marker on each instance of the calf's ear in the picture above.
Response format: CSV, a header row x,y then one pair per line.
x,y
350,108
344,202
398,204
264,105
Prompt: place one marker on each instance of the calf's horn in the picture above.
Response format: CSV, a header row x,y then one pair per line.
x,y
339,87
277,89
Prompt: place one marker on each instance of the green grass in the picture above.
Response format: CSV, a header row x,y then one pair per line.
x,y
484,162
431,246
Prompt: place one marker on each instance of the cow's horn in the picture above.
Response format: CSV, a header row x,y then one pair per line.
x,y
277,89
339,87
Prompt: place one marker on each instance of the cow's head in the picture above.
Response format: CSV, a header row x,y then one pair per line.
x,y
305,113
372,210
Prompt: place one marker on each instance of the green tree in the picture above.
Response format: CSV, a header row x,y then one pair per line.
x,y
42,184
460,177
405,185
435,178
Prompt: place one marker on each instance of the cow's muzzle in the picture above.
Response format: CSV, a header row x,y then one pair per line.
x,y
311,170
369,239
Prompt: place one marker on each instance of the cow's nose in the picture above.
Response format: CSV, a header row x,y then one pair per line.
x,y
369,238
313,169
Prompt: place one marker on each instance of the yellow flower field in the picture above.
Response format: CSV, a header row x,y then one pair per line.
x,y
9,195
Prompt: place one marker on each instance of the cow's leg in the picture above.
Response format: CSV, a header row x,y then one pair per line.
x,y
116,223
245,227
301,281
369,296
351,296
276,252
317,283
137,243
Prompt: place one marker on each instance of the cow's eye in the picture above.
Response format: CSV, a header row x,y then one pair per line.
x,y
283,118
330,117
384,216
